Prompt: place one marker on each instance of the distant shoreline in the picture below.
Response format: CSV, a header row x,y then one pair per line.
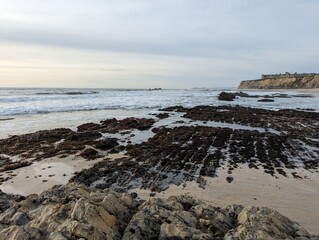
x,y
302,90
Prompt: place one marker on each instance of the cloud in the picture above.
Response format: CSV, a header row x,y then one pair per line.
x,y
233,33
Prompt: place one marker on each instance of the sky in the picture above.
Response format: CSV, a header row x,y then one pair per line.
x,y
146,44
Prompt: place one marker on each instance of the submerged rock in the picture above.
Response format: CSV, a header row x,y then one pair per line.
x,y
77,212
266,100
162,115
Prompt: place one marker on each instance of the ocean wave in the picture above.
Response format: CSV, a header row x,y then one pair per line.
x,y
66,93
28,111
42,101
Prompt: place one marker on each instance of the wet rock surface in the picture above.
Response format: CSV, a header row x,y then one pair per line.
x,y
231,96
77,212
181,154
226,96
293,122
7,200
48,143
162,115
266,100
114,125
90,154
189,153
87,142
278,143
6,164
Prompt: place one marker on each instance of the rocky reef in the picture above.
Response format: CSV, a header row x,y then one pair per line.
x,y
22,150
275,141
78,212
177,145
291,81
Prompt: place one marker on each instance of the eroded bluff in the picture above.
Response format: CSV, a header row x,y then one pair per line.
x,y
78,212
283,82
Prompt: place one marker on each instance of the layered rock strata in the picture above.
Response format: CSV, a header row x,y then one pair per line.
x,y
282,82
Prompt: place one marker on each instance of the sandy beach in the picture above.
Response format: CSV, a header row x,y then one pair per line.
x,y
46,173
159,120
294,198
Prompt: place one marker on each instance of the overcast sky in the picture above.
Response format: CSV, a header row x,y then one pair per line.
x,y
143,43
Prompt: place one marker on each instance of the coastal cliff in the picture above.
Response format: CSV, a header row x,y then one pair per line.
x,y
291,81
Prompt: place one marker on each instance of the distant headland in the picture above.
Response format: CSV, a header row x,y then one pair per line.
x,y
283,81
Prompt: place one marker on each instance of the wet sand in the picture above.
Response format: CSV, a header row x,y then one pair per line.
x,y
295,198
44,174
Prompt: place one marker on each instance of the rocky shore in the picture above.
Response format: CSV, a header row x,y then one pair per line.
x,y
78,212
188,153
177,146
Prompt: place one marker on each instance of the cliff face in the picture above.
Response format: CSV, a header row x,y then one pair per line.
x,y
282,83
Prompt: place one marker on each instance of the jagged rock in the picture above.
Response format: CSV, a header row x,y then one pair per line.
x,y
90,154
6,200
106,144
50,143
226,96
265,223
67,212
162,115
190,153
183,217
113,125
229,179
77,212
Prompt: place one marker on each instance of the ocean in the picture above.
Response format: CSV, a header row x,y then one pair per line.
x,y
28,110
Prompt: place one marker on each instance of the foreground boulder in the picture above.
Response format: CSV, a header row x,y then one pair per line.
x,y
77,212
68,212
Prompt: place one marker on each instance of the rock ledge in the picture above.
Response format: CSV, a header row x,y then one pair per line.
x,y
78,212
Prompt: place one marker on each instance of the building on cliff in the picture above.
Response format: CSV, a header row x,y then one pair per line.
x,y
283,81
288,74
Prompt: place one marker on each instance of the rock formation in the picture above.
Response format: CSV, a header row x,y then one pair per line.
x,y
78,212
277,141
225,96
286,81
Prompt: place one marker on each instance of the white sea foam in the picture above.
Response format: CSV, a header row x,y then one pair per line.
x,y
37,101
29,110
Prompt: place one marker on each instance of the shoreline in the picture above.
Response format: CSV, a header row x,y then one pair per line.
x,y
219,155
37,120
293,198
305,90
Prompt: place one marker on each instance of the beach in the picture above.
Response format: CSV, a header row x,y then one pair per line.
x,y
242,152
